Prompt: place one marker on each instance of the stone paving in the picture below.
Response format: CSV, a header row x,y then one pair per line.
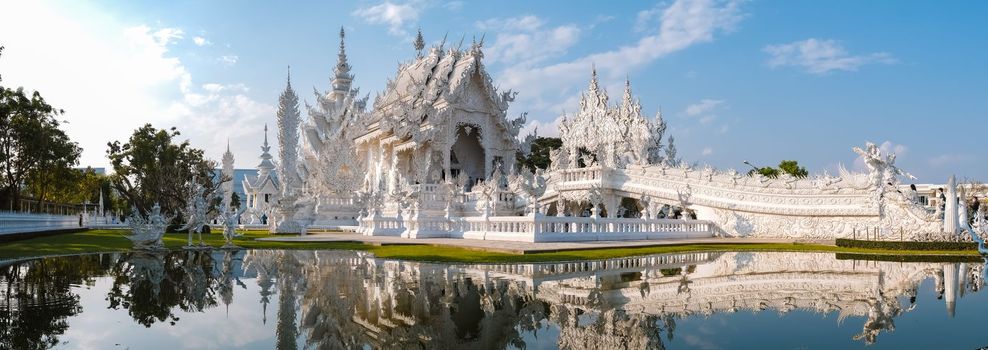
x,y
524,247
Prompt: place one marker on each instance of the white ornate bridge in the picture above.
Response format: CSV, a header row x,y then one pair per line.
x,y
741,205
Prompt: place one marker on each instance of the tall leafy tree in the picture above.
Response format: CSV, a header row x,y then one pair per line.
x,y
34,151
151,167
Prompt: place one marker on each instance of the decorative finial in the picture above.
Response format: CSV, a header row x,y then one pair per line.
x,y
265,134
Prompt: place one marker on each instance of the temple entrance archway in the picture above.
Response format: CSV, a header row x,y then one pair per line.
x,y
467,155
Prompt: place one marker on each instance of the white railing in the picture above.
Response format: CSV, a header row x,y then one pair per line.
x,y
537,228
381,226
582,174
11,223
336,201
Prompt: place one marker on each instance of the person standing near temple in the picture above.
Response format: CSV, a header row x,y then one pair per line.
x,y
913,194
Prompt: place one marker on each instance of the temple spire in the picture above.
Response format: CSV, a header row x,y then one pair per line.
x,y
267,164
593,78
342,77
228,174
289,122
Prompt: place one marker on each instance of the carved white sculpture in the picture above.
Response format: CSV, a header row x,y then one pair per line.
x,y
146,233
197,206
230,219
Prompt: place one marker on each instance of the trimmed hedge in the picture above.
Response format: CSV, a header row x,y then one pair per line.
x,y
905,245
911,258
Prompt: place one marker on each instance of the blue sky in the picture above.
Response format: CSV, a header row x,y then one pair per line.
x,y
736,80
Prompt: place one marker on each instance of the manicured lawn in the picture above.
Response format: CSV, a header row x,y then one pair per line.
x,y
94,241
114,240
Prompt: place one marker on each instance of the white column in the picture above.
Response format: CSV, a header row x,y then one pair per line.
x,y
950,220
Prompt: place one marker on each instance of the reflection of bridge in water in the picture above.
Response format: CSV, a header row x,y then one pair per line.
x,y
353,298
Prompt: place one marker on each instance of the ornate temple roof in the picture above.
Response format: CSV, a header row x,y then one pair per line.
x,y
437,79
424,91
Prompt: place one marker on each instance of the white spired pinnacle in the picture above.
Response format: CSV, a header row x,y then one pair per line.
x,y
950,222
264,169
288,129
228,174
341,74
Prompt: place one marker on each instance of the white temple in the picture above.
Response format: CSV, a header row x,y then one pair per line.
x,y
262,190
434,156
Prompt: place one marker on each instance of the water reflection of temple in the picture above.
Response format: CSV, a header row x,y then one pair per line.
x,y
350,298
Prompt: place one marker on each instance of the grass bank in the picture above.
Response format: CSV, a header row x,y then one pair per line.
x,y
94,241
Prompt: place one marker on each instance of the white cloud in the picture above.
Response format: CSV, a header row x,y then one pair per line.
x,y
454,5
228,60
646,19
550,129
708,151
200,41
819,56
949,159
128,74
524,41
704,106
395,16
525,23
704,112
682,24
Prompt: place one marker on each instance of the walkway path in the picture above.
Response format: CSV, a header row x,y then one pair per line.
x,y
525,247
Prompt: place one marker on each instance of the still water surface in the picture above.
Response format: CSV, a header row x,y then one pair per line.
x,y
267,299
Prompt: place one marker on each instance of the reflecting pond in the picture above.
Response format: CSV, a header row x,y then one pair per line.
x,y
344,299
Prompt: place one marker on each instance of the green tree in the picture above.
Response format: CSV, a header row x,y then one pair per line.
x,y
34,151
235,200
77,186
538,158
792,167
768,172
152,168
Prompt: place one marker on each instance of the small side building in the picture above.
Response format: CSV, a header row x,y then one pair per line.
x,y
262,189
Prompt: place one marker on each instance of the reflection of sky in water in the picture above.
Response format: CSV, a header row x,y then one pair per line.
x,y
100,328
926,327
361,301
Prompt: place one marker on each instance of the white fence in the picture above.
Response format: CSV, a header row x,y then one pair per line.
x,y
12,222
536,228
